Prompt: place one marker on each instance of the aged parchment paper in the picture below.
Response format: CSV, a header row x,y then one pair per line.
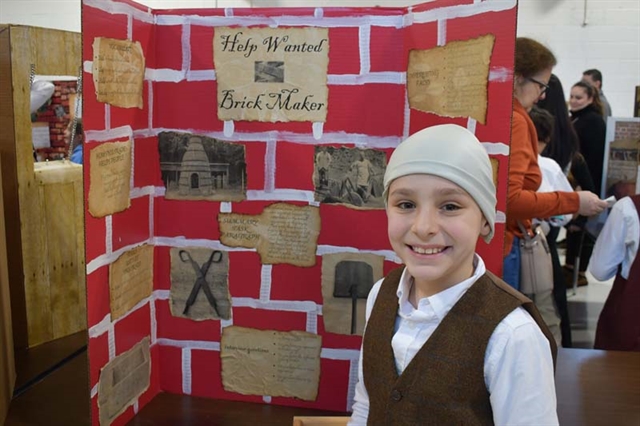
x,y
214,266
495,166
273,363
336,305
118,71
283,233
123,380
451,80
271,74
110,178
130,279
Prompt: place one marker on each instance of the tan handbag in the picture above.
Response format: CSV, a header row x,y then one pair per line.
x,y
536,267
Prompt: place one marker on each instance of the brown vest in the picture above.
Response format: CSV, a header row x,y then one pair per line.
x,y
444,383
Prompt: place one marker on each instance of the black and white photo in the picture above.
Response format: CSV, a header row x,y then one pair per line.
x,y
350,176
269,72
197,167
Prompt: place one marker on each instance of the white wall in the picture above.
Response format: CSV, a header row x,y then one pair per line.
x,y
610,40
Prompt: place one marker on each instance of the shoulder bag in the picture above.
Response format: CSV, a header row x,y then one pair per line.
x,y
536,267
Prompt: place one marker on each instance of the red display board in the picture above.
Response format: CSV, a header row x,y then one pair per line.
x,y
367,108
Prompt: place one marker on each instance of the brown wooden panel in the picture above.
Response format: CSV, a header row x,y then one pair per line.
x,y
59,207
61,191
10,192
7,360
31,213
53,52
78,189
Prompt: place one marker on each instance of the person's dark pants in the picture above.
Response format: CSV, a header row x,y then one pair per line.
x,y
579,244
560,288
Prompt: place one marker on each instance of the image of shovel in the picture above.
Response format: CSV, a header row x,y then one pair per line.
x,y
353,280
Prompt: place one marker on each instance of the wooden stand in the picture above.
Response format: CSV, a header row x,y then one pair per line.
x,y
43,211
7,362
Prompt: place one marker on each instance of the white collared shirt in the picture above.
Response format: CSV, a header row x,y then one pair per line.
x,y
518,366
617,243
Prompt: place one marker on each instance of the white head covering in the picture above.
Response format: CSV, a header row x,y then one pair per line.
x,y
451,152
41,92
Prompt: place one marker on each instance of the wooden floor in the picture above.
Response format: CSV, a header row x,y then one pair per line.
x,y
593,387
61,399
35,363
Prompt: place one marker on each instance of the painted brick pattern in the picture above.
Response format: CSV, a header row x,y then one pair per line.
x,y
367,110
57,114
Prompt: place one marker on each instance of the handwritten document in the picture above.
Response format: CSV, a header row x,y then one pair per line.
x,y
283,233
118,72
123,380
343,273
130,279
186,266
274,363
451,80
271,74
110,178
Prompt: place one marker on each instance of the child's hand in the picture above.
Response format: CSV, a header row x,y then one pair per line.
x,y
590,204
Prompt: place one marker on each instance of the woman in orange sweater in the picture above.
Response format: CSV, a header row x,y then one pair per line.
x,y
533,65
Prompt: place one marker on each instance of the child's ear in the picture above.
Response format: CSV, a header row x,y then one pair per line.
x,y
486,228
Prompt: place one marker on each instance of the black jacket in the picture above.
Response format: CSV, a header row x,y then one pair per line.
x,y
591,131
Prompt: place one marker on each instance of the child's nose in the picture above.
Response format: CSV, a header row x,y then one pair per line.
x,y
426,222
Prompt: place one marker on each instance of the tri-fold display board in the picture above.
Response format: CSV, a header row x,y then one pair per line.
x,y
233,185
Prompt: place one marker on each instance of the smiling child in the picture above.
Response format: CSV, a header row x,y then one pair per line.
x,y
448,342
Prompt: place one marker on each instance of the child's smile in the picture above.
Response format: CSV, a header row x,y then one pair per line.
x,y
428,250
434,226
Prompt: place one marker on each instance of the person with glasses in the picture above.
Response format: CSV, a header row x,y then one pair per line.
x,y
532,70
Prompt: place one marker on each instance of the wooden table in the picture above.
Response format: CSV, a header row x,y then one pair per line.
x,y
598,387
594,388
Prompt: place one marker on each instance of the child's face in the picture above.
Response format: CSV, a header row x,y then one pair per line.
x,y
434,226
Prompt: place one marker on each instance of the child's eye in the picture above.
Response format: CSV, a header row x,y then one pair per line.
x,y
450,207
405,205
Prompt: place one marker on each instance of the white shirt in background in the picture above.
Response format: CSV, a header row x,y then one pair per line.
x,y
518,367
617,243
554,179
